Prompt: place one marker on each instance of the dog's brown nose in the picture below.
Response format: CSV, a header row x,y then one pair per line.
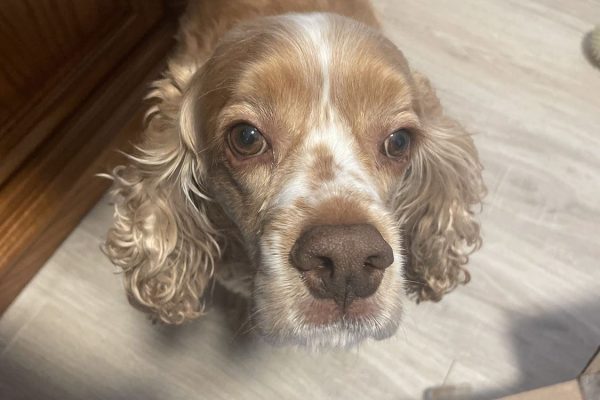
x,y
342,262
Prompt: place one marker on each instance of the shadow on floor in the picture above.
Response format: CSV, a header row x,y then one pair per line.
x,y
549,348
20,381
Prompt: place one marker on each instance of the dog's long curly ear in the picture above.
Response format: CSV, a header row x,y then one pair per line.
x,y
439,194
162,238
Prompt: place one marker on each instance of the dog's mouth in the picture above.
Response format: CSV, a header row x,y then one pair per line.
x,y
326,325
291,315
320,312
362,318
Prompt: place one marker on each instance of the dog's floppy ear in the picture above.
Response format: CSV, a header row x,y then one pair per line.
x,y
162,238
438,196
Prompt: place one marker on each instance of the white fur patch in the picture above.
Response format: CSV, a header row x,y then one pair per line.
x,y
349,174
331,133
315,28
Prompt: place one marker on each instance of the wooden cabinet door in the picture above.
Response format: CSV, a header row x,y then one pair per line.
x,y
72,77
52,54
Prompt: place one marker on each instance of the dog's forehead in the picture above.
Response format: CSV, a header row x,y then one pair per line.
x,y
298,68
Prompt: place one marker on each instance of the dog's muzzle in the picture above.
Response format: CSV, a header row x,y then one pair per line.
x,y
342,262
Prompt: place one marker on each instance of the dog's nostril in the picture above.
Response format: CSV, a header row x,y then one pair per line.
x,y
342,261
378,261
325,264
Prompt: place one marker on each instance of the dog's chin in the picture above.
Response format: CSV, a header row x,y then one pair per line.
x,y
342,333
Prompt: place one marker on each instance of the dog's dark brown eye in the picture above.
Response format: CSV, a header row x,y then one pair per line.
x,y
396,145
246,140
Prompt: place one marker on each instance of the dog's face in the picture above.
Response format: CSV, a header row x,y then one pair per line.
x,y
309,121
330,163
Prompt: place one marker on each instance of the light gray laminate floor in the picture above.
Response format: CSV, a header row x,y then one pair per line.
x,y
513,73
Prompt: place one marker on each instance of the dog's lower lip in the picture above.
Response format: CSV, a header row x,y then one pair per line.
x,y
326,311
339,333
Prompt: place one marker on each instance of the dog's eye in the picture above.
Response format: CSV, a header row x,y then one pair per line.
x,y
396,145
246,140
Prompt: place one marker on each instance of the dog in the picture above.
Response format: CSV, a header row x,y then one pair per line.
x,y
292,156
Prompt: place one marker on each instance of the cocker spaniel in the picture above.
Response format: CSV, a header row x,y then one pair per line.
x,y
292,156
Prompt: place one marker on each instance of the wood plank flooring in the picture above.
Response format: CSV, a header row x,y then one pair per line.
x,y
513,73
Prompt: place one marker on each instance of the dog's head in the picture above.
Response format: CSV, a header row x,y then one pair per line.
x,y
330,162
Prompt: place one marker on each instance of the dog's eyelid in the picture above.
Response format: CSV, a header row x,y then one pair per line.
x,y
402,119
414,131
228,120
238,113
233,122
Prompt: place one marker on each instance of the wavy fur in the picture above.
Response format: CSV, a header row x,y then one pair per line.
x,y
162,238
436,202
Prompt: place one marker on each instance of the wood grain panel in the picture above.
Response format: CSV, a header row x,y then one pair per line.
x,y
45,199
37,38
53,55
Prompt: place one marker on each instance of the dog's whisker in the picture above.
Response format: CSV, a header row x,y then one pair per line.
x,y
415,282
248,323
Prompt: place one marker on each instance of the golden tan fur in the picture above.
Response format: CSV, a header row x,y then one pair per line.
x,y
188,210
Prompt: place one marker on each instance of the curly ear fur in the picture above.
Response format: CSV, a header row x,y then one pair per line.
x,y
436,200
162,238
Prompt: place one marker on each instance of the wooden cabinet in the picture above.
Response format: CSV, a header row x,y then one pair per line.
x,y
72,78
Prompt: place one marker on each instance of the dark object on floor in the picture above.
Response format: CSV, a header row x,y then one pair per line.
x,y
591,46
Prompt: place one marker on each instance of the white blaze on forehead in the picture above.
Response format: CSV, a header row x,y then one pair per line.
x,y
315,28
331,133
